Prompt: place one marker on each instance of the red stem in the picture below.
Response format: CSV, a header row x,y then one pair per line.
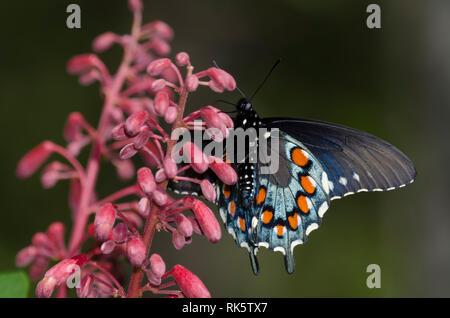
x,y
134,289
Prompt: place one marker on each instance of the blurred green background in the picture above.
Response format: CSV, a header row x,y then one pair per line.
x,y
392,82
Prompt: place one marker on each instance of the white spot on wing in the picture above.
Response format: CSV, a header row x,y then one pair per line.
x,y
244,244
263,244
295,243
254,222
280,249
325,186
343,181
311,227
356,176
323,208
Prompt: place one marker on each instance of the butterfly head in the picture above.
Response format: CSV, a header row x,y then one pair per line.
x,y
244,105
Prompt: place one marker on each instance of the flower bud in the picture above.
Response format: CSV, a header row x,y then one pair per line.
x,y
171,115
146,181
26,256
195,225
160,197
104,41
41,240
142,137
161,103
135,122
120,233
206,219
224,171
144,206
127,151
135,5
56,232
182,59
86,286
136,251
178,240
196,157
208,190
72,130
104,221
170,168
190,284
38,267
184,225
160,176
118,132
160,47
58,274
158,85
192,83
82,63
212,119
160,28
158,66
107,247
157,265
221,78
34,159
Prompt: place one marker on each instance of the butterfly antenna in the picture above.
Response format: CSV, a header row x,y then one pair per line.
x,y
265,79
240,92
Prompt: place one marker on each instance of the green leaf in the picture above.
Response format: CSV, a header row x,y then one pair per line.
x,y
14,285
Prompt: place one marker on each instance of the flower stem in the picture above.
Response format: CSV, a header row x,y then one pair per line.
x,y
134,289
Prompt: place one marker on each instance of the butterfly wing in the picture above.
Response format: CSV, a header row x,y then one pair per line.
x,y
354,161
288,205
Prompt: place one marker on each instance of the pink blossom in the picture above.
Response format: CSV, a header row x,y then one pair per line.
x,y
184,225
86,286
196,157
33,160
120,233
136,251
206,219
161,103
146,181
158,66
182,59
223,170
189,283
208,190
58,274
26,256
192,83
104,41
104,221
135,122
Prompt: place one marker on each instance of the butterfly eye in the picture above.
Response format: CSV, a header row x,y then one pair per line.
x,y
247,106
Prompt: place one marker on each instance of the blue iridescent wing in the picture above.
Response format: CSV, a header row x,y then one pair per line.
x,y
354,161
289,203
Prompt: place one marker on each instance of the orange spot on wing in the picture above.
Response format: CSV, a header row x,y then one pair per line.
x,y
303,204
299,157
226,191
267,216
307,184
293,221
232,208
261,196
280,229
242,224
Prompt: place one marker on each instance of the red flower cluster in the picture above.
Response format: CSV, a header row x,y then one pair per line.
x,y
146,89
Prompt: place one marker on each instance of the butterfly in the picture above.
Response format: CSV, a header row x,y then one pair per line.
x,y
318,162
